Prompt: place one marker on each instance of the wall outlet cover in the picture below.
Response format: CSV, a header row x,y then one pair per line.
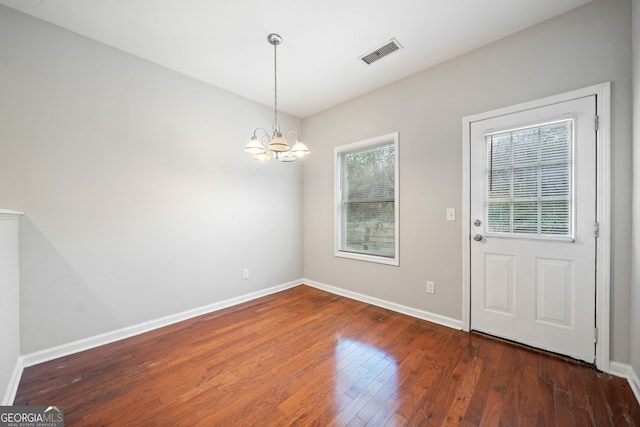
x,y
431,287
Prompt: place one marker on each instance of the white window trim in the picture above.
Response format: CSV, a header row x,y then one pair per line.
x,y
391,137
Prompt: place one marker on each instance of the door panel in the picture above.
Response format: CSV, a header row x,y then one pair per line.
x,y
555,287
533,213
499,283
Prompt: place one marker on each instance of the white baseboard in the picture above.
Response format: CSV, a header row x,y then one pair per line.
x,y
409,311
626,371
616,368
14,382
130,331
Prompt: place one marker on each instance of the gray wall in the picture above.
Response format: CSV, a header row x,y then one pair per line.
x,y
139,202
9,302
586,46
635,282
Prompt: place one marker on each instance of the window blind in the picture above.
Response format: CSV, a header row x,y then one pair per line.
x,y
368,198
529,180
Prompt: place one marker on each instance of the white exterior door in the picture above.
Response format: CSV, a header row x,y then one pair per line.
x,y
533,227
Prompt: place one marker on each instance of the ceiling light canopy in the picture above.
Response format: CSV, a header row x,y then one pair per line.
x,y
263,147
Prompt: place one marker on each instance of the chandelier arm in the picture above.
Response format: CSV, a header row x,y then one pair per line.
x,y
255,132
293,131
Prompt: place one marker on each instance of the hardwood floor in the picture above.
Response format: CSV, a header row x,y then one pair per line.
x,y
306,357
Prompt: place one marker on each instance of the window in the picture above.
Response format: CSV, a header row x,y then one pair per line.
x,y
366,188
530,181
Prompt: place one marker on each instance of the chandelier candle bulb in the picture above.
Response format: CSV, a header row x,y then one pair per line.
x,y
265,148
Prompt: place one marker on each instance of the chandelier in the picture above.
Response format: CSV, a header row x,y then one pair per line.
x,y
276,146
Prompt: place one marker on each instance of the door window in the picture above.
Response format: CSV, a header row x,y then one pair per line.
x,y
529,181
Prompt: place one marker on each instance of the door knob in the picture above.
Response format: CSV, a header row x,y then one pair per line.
x,y
477,237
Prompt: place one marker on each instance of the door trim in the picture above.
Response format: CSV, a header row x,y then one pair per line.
x,y
603,188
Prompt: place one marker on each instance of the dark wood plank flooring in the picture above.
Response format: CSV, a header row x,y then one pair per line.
x,y
307,357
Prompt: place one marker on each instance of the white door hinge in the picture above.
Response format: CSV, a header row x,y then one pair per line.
x,y
595,335
596,229
597,123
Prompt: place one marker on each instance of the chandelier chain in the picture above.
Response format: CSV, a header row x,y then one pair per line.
x,y
275,86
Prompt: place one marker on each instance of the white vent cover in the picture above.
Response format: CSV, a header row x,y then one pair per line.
x,y
389,47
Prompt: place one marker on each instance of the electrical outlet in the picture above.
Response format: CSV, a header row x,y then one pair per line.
x,y
431,287
245,273
451,214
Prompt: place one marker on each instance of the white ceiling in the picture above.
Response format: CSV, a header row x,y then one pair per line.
x,y
223,42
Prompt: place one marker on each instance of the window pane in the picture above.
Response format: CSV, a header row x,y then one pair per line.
x,y
370,228
525,217
499,217
556,180
555,217
500,184
369,175
525,182
525,146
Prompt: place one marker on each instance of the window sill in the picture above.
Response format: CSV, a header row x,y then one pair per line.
x,y
369,258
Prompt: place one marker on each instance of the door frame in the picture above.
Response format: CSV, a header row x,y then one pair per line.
x,y
602,92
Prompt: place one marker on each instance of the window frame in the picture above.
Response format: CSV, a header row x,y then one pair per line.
x,y
363,145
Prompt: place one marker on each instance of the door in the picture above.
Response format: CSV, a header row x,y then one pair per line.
x,y
533,227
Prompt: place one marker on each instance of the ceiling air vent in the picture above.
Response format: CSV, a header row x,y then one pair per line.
x,y
391,46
